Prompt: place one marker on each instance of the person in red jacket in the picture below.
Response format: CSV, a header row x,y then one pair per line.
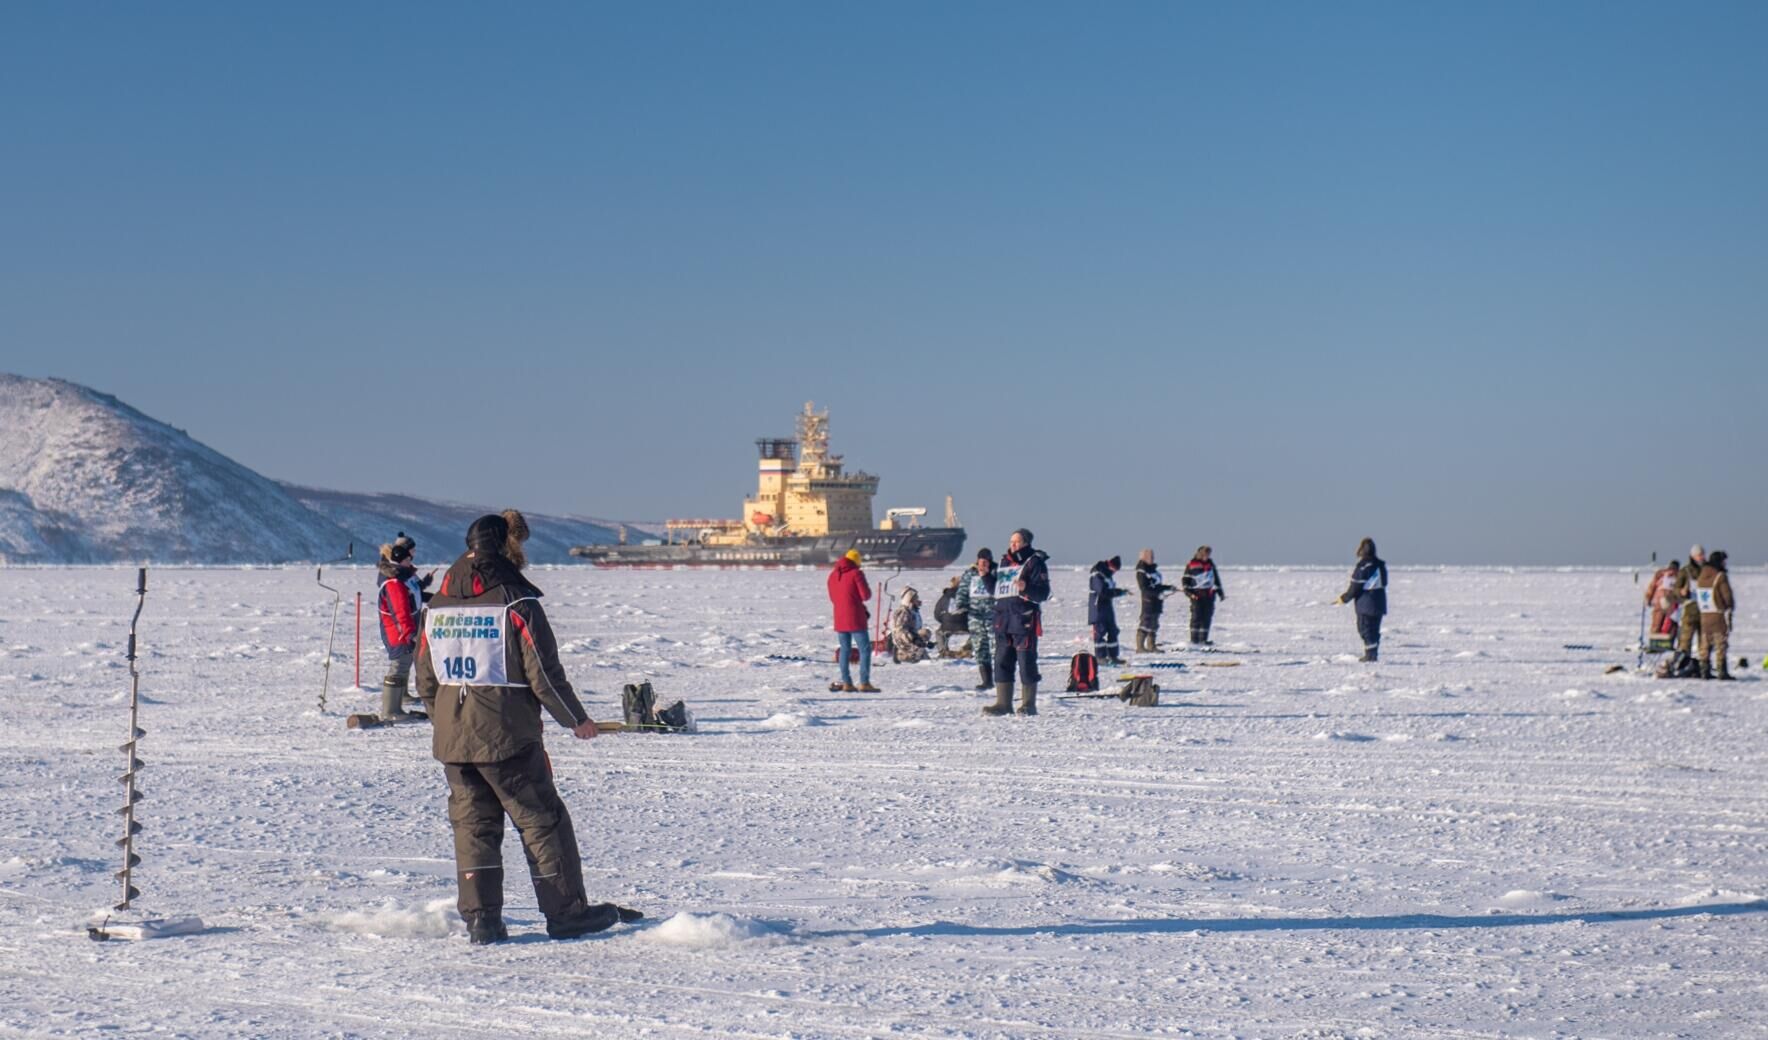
x,y
402,597
848,592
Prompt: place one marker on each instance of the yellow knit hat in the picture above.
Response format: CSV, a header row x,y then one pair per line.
x,y
853,554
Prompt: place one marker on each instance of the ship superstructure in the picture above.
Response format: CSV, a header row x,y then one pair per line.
x,y
807,509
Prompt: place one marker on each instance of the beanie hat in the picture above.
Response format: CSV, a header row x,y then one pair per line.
x,y
1717,559
1024,534
1697,550
401,548
853,556
1116,562
487,534
985,553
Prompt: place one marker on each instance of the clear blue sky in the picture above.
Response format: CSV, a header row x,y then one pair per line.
x,y
1488,282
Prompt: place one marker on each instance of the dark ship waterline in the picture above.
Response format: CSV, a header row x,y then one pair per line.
x,y
807,511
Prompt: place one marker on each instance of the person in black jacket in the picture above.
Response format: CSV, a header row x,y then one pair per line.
x,y
1022,584
1369,590
1102,593
487,663
1154,592
1203,585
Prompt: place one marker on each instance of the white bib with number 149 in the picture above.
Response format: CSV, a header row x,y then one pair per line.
x,y
467,645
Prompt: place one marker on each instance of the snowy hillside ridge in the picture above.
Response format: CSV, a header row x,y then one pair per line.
x,y
440,527
85,478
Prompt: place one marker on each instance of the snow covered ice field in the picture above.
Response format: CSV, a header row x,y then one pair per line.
x,y
1481,836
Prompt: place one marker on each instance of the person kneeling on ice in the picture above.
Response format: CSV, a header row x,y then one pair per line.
x,y
848,592
908,640
1369,590
402,599
486,664
1022,584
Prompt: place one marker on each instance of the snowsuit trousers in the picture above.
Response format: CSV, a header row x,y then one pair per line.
x,y
1369,627
1202,614
1011,650
1715,636
480,795
1691,622
1150,620
399,667
1105,636
982,644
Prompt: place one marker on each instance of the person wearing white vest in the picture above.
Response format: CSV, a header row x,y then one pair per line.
x,y
487,663
1712,594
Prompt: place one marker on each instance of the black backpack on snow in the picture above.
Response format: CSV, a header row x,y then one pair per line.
x,y
1083,673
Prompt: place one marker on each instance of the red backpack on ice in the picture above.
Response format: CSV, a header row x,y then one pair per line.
x,y
1083,673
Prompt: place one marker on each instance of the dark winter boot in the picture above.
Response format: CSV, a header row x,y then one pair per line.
x,y
393,700
485,927
1725,671
1003,704
1706,669
1028,699
595,918
986,669
1370,653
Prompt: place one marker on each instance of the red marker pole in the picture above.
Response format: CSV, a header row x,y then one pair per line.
x,y
359,640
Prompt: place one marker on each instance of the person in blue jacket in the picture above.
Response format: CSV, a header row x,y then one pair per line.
x,y
1369,591
1102,593
1022,584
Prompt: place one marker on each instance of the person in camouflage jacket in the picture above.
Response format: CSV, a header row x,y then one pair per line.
x,y
976,596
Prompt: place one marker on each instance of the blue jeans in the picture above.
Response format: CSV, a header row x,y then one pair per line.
x,y
863,640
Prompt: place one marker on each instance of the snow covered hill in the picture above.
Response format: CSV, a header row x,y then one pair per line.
x,y
440,527
84,478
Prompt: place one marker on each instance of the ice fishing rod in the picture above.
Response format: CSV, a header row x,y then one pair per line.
x,y
337,598
1640,661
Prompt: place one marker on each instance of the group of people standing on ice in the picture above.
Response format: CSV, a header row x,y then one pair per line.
x,y
1694,601
1201,583
1002,604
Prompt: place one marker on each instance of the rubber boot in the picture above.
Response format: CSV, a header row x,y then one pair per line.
x,y
986,669
393,701
1028,699
1003,704
1725,671
1706,669
596,918
485,927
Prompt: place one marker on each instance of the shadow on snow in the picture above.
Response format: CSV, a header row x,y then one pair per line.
x,y
1380,922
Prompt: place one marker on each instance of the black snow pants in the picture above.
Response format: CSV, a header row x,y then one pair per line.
x,y
1105,637
1369,627
480,794
1202,613
1010,650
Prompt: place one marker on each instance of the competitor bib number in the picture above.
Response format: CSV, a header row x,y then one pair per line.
x,y
467,644
1005,579
1705,598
